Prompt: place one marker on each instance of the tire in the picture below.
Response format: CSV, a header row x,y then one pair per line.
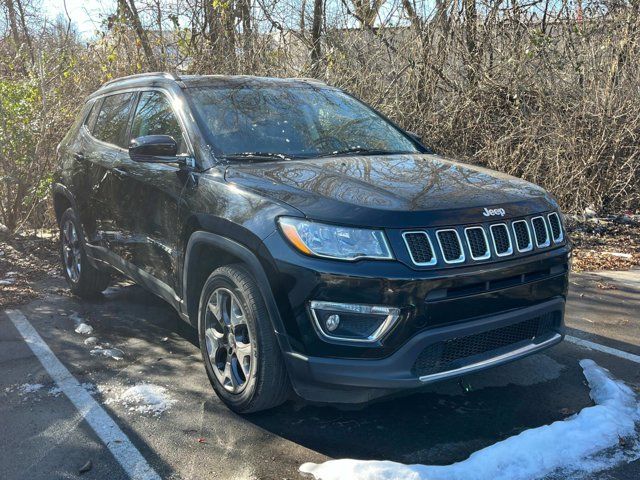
x,y
239,347
84,279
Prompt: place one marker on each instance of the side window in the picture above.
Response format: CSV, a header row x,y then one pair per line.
x,y
90,119
154,116
113,118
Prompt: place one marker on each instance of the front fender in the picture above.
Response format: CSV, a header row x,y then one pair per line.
x,y
241,254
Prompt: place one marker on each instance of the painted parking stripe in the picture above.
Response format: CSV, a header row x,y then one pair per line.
x,y
98,419
601,348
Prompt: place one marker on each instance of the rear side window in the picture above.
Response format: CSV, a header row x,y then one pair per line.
x,y
113,118
154,116
90,120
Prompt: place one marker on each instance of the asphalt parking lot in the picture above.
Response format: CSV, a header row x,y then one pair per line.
x,y
189,434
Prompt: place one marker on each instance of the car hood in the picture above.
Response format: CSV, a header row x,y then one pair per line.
x,y
394,191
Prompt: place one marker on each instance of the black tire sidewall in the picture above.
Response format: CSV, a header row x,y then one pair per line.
x,y
242,400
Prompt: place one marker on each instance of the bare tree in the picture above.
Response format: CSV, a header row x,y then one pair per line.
x,y
366,11
129,11
316,30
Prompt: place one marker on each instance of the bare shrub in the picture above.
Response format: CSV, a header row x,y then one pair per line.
x,y
542,90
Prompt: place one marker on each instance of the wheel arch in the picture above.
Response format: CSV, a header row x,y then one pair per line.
x,y
206,251
62,199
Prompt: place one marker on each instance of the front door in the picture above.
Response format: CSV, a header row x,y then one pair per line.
x,y
149,194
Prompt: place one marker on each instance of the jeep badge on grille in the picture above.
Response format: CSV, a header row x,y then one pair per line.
x,y
492,212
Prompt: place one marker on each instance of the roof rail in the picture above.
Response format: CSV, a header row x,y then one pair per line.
x,y
170,75
308,79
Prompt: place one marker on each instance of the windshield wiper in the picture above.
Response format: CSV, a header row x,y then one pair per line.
x,y
258,156
368,151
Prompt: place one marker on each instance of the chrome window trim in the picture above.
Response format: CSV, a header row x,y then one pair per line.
x,y
461,258
515,236
561,238
493,240
546,229
487,253
169,95
393,314
433,261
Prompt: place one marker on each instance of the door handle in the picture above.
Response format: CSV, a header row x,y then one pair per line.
x,y
78,156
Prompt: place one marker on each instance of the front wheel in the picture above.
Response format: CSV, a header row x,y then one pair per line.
x,y
83,278
238,344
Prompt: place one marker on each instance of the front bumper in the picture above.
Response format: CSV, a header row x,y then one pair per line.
x,y
438,307
354,381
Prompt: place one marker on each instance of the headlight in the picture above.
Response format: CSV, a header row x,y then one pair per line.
x,y
332,241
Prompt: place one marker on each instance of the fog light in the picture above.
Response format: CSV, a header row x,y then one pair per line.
x,y
352,322
332,322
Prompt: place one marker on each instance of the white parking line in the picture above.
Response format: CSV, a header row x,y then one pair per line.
x,y
98,419
601,348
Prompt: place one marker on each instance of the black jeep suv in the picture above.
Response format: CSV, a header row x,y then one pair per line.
x,y
314,244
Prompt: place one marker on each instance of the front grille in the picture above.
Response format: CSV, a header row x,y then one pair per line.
x,y
540,231
454,244
501,239
450,246
522,235
458,352
420,248
556,228
477,241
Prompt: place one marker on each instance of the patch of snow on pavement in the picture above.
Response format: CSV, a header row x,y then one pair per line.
x,y
114,353
55,391
84,329
27,388
582,443
145,398
90,341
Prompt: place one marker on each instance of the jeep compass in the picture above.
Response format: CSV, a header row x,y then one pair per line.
x,y
317,247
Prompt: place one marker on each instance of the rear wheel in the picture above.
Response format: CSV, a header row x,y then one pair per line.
x,y
239,348
83,278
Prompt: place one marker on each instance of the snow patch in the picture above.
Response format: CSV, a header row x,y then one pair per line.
x,y
114,353
586,442
27,388
145,398
84,329
54,391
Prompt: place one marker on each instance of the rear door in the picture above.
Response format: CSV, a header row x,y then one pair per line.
x,y
149,194
103,150
80,176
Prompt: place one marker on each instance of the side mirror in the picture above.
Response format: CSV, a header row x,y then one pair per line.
x,y
154,149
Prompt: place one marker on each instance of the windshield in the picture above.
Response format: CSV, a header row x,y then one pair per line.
x,y
293,121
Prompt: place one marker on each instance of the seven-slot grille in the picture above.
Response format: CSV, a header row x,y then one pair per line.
x,y
450,246
420,248
556,229
478,244
501,239
483,242
522,235
540,231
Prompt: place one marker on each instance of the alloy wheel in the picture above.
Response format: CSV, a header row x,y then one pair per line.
x,y
71,251
228,340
